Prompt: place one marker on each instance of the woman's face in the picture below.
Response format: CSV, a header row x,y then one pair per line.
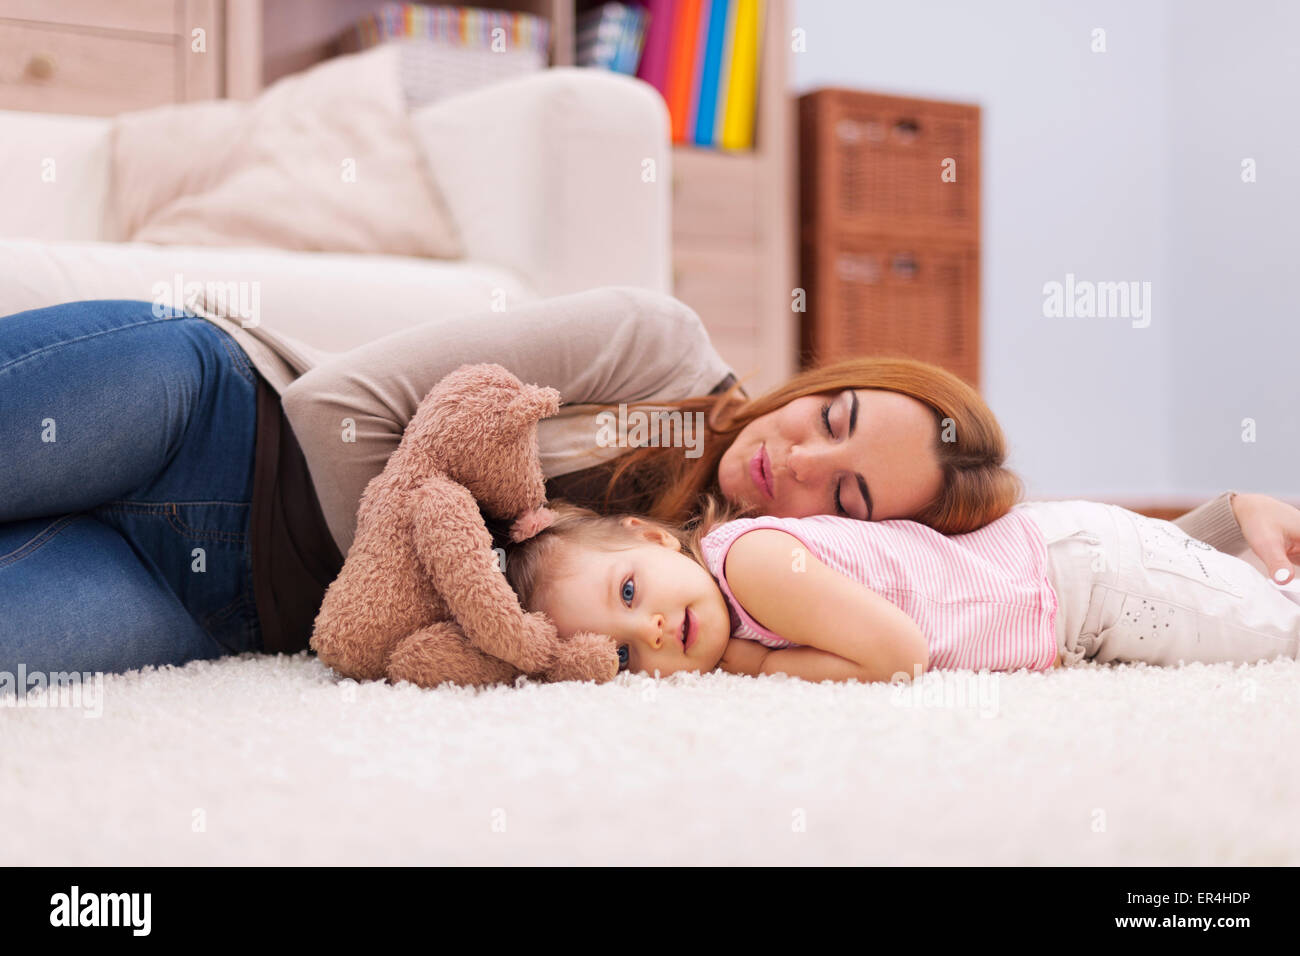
x,y
862,453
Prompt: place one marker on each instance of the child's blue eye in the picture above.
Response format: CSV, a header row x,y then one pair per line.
x,y
629,590
622,657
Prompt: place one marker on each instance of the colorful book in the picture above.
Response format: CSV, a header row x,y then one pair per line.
x,y
633,38
697,71
610,36
654,61
742,88
458,26
598,34
710,70
681,66
724,72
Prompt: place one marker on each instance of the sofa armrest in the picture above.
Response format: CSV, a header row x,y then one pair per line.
x,y
563,177
56,175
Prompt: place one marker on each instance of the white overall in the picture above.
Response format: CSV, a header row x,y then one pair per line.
x,y
1132,588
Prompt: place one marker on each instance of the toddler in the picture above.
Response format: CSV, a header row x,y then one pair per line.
x,y
834,598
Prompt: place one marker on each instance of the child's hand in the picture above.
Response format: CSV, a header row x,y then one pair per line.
x,y
1272,529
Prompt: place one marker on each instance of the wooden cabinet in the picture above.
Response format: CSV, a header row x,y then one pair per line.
x,y
889,229
99,58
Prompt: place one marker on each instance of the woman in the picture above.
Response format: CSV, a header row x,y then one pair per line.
x,y
155,506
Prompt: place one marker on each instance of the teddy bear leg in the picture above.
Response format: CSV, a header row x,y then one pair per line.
x,y
359,656
441,654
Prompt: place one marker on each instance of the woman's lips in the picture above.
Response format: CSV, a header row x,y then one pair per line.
x,y
692,630
760,470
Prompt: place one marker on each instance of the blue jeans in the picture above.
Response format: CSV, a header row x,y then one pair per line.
x,y
126,471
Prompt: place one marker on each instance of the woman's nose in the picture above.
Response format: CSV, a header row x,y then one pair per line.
x,y
805,463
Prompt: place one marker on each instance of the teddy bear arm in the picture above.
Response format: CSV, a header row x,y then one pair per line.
x,y
455,550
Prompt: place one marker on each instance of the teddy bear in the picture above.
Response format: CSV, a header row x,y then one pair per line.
x,y
421,596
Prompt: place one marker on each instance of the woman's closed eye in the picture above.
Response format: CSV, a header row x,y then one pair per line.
x,y
836,493
826,420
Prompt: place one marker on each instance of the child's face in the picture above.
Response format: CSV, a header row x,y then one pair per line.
x,y
641,597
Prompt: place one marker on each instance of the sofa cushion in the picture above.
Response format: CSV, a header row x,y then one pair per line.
x,y
322,160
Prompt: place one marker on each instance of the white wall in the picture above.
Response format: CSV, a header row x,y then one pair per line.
x,y
1084,171
1234,281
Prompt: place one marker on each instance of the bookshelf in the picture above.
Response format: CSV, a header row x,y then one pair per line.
x,y
734,214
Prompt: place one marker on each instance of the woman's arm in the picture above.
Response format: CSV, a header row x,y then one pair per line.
x,y
848,631
1215,524
1235,522
610,344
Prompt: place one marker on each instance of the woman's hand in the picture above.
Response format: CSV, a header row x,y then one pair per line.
x,y
1272,529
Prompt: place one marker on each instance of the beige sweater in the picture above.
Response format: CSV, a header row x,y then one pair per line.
x,y
620,344
607,345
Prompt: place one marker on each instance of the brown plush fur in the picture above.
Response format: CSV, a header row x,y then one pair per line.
x,y
421,596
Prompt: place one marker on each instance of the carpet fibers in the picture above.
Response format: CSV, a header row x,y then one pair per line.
x,y
268,760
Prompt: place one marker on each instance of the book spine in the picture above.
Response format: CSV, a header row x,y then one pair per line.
x,y
709,73
638,41
738,130
697,70
459,26
681,65
654,64
724,72
624,44
599,33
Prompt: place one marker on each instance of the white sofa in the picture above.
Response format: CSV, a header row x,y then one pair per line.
x,y
542,175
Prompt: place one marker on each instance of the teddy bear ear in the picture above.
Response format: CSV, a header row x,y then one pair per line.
x,y
530,523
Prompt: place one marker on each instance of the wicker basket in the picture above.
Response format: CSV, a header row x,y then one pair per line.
x,y
873,164
903,297
889,250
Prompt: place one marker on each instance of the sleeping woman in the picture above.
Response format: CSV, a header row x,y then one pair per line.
x,y
174,487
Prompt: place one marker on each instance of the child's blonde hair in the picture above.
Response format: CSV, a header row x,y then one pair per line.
x,y
531,563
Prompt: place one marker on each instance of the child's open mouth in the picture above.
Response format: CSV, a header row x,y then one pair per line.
x,y
690,630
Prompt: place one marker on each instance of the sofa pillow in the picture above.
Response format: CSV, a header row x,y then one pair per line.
x,y
323,160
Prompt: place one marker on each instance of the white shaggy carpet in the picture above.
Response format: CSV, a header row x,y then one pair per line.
x,y
271,760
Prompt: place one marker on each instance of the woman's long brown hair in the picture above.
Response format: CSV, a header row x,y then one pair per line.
x,y
971,449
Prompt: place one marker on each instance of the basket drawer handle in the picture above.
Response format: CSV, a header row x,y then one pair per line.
x,y
907,130
904,266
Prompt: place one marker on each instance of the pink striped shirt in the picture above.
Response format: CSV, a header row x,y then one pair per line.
x,y
983,599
